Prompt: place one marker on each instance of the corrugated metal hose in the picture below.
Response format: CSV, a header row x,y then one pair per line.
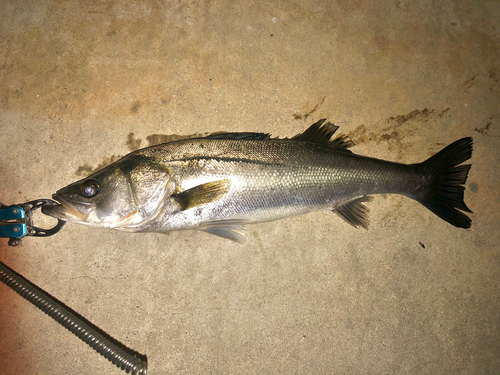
x,y
110,348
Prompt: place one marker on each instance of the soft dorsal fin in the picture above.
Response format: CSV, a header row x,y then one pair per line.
x,y
321,132
355,212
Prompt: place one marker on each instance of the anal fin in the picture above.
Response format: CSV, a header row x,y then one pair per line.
x,y
355,212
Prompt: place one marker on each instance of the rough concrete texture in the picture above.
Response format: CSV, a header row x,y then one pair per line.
x,y
82,82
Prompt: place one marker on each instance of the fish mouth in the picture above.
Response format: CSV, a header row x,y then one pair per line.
x,y
68,209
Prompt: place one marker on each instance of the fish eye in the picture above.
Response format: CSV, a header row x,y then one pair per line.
x,y
90,188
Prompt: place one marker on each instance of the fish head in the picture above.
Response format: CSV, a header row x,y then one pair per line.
x,y
123,195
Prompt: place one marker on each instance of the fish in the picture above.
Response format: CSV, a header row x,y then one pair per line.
x,y
222,182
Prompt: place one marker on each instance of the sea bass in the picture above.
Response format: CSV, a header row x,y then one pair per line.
x,y
221,182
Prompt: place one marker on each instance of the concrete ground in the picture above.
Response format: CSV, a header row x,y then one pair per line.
x,y
82,82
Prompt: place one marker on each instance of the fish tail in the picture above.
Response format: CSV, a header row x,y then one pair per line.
x,y
444,192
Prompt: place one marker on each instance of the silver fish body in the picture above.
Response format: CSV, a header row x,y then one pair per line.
x,y
219,183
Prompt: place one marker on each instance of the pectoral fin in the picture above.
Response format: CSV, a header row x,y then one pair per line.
x,y
355,212
202,194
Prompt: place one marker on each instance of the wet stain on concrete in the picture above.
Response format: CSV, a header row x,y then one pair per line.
x,y
474,187
135,107
308,109
132,142
469,83
395,129
489,78
484,129
86,169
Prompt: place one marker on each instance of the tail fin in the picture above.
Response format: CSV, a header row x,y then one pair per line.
x,y
444,194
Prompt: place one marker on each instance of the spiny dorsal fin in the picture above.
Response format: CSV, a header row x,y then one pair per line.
x,y
243,135
202,194
319,132
355,212
322,132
